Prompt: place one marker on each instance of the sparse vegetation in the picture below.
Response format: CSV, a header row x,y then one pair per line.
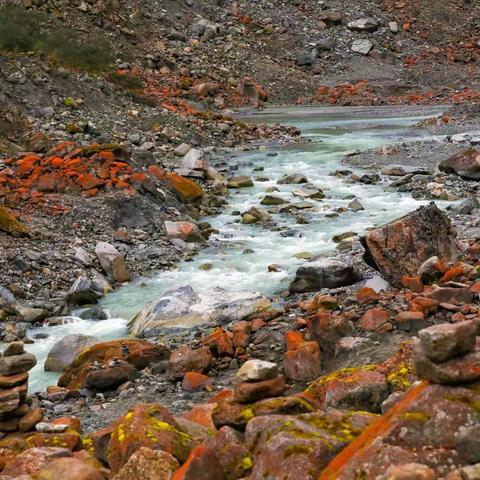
x,y
25,31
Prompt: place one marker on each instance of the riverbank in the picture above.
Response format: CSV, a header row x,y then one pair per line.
x,y
329,333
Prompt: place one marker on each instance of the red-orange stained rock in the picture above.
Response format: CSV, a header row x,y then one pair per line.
x,y
376,429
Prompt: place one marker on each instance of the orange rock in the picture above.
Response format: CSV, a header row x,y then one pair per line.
x,y
225,394
293,339
193,381
70,468
475,288
375,320
303,363
202,464
72,422
415,284
157,172
451,274
410,321
146,425
423,304
88,181
187,191
241,334
257,324
139,353
26,164
69,439
202,414
377,428
367,295
220,340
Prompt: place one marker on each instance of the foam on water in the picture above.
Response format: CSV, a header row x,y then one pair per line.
x,y
332,137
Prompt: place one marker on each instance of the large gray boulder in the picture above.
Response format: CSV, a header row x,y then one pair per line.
x,y
6,298
314,276
81,292
183,308
112,262
66,350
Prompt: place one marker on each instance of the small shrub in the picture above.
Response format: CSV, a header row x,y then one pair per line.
x,y
20,31
130,82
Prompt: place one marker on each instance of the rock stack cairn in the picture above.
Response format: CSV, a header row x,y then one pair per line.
x,y
258,379
16,412
449,353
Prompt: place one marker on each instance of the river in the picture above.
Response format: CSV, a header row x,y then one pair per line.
x,y
333,133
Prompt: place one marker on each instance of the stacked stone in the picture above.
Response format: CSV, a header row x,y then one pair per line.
x,y
449,353
258,380
15,411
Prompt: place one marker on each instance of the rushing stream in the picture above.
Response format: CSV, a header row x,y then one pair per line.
x,y
333,133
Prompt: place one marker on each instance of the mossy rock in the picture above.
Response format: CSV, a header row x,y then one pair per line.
x,y
9,224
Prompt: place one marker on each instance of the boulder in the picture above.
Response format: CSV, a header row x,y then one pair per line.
x,y
402,246
71,468
202,464
30,314
422,427
466,164
194,163
311,193
7,298
299,446
186,360
30,419
138,353
185,231
240,182
355,205
148,464
112,262
292,178
186,190
14,364
319,274
150,426
414,471
233,453
457,370
351,388
31,461
272,200
248,392
256,214
302,359
110,376
448,340
183,308
93,313
257,370
82,292
66,350
238,415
